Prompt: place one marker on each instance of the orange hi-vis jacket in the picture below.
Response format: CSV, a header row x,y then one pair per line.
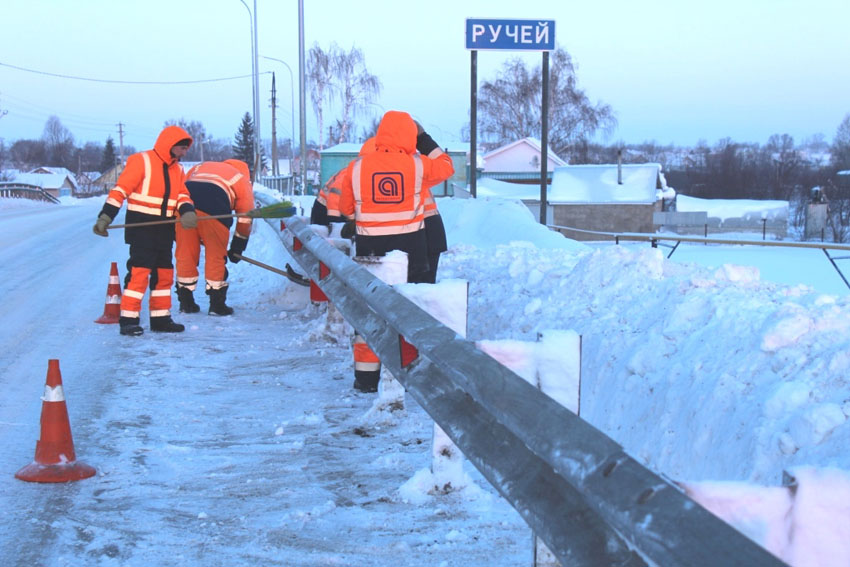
x,y
384,190
152,182
330,193
237,194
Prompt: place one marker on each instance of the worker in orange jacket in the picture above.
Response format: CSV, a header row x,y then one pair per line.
x,y
152,183
383,192
217,188
326,206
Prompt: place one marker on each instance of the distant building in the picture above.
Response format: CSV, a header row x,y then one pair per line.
x,y
598,198
520,162
61,184
108,178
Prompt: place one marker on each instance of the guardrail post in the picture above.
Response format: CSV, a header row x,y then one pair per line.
x,y
553,365
446,301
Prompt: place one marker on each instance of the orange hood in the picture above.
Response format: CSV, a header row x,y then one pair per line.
x,y
396,133
166,140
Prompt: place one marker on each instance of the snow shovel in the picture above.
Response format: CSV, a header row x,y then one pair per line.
x,y
280,210
290,273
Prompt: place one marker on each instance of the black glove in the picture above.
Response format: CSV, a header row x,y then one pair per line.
x,y
348,230
425,144
237,246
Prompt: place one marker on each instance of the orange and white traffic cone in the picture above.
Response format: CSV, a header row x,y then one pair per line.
x,y
112,309
55,460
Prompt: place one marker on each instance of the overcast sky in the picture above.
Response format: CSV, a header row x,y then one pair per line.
x,y
672,71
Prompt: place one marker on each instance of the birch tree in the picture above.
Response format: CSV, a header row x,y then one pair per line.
x,y
357,88
320,79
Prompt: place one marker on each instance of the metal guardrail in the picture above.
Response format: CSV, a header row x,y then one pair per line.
x,y
589,501
25,191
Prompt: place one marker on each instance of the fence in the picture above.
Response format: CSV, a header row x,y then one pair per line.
x,y
25,191
590,502
285,184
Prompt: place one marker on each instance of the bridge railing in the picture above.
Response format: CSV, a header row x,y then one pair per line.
x,y
25,191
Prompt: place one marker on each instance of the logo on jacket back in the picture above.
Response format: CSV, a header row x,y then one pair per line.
x,y
387,187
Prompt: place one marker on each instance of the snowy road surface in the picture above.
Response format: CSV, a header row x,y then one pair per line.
x,y
238,442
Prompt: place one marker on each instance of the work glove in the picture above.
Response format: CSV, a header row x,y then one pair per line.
x,y
189,219
348,230
237,246
100,225
425,144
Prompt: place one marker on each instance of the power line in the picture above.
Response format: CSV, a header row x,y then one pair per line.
x,y
37,72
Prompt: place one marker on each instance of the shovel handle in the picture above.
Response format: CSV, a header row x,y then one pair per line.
x,y
174,220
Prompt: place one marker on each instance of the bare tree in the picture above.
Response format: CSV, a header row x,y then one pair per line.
x,y
841,145
510,107
785,162
59,143
320,76
357,87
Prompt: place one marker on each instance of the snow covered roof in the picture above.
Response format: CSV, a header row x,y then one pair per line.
x,y
343,148
583,184
57,170
598,184
46,180
521,155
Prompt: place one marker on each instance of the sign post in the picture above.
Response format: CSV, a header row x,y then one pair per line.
x,y
514,35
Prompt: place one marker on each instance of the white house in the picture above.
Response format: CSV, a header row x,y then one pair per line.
x,y
521,156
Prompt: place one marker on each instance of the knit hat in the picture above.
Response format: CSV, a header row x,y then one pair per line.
x,y
184,142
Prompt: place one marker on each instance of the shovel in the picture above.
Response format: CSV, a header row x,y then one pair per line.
x,y
280,210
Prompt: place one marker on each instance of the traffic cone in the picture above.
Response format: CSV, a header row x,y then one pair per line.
x,y
112,309
55,460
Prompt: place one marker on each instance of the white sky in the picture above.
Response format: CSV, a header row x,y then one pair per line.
x,y
673,71
235,443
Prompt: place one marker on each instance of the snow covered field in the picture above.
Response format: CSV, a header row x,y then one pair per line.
x,y
241,442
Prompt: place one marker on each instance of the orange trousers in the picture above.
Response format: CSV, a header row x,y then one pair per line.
x,y
214,236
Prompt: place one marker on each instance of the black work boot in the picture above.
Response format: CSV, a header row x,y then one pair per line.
x,y
164,324
366,381
129,326
217,299
187,300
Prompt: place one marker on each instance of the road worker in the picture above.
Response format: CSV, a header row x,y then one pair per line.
x,y
153,185
383,192
217,188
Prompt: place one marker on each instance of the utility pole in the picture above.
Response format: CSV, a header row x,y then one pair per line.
x,y
121,140
258,148
274,128
302,99
201,143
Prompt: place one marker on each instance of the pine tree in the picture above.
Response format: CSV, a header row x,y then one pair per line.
x,y
243,147
109,158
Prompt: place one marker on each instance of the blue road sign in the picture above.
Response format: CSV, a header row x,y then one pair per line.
x,y
527,35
